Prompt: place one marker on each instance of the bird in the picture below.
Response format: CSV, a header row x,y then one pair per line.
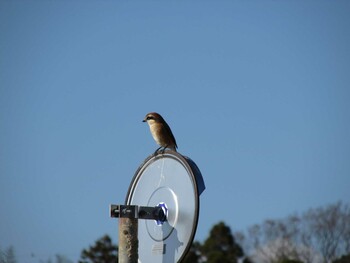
x,y
160,131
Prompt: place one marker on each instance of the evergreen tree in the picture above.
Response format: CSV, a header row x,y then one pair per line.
x,y
194,254
104,251
10,255
220,246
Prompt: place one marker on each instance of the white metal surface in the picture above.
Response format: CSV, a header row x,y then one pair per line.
x,y
166,180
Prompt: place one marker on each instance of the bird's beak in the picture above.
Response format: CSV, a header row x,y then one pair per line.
x,y
144,120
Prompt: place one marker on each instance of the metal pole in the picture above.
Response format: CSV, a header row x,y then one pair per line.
x,y
128,240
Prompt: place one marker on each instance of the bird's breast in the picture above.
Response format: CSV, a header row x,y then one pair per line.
x,y
156,131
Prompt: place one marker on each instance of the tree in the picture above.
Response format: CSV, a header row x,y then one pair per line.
x,y
59,259
276,241
329,230
286,260
104,251
62,259
343,259
8,256
319,235
220,246
2,256
194,254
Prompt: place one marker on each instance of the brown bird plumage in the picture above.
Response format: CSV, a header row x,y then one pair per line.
x,y
160,131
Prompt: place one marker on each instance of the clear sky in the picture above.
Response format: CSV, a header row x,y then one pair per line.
x,y
256,92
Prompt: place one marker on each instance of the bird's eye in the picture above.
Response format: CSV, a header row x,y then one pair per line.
x,y
149,118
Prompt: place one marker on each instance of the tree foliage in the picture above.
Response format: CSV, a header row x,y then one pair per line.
x,y
59,259
62,259
219,247
343,259
104,251
194,254
8,256
319,235
329,230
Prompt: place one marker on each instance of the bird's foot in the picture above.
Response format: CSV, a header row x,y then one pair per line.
x,y
160,150
156,152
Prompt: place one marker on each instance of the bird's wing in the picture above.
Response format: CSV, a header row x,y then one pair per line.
x,y
170,132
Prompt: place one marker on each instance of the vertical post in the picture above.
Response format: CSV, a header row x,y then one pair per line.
x,y
128,240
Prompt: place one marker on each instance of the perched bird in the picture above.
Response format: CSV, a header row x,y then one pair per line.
x,y
161,131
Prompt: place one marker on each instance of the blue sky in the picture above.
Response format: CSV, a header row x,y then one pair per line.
x,y
256,93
